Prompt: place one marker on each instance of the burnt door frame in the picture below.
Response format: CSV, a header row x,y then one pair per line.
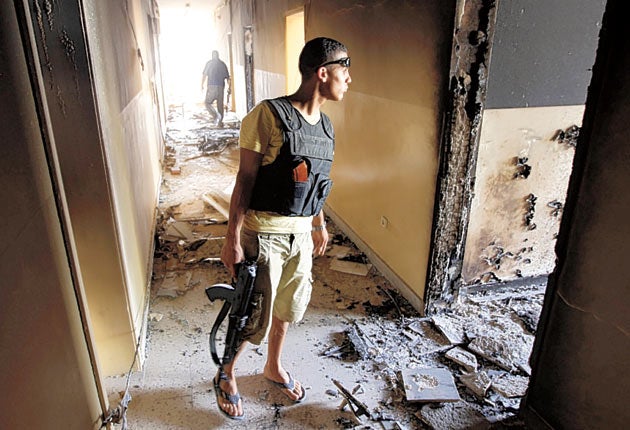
x,y
470,61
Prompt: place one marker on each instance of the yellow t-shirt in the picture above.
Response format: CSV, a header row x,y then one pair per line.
x,y
261,131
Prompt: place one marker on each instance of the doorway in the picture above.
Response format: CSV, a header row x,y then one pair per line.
x,y
294,41
508,147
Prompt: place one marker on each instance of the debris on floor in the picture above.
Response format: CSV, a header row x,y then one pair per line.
x,y
460,415
466,359
390,366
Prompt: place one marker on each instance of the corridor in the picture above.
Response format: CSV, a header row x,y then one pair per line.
x,y
358,331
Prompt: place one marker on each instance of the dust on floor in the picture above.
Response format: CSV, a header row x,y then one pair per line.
x,y
467,368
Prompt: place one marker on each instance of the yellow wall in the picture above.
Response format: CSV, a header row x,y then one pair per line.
x,y
294,41
388,126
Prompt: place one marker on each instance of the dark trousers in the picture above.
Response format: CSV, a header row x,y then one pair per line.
x,y
215,93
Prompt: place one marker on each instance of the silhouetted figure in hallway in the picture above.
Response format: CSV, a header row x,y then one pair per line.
x,y
214,78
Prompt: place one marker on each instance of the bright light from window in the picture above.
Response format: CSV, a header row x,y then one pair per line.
x,y
187,39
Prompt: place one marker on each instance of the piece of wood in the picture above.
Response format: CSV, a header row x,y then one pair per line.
x,y
218,201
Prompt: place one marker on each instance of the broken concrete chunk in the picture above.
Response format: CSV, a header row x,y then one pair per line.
x,y
219,201
460,415
451,328
510,353
155,316
466,359
477,382
350,267
509,385
429,341
430,385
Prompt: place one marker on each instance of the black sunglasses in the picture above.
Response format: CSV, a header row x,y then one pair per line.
x,y
345,62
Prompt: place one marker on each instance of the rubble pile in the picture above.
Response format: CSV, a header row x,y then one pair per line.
x,y
465,368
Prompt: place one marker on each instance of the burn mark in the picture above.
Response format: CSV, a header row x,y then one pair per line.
x,y
556,206
495,259
39,17
68,46
531,209
568,137
48,9
498,253
522,168
470,56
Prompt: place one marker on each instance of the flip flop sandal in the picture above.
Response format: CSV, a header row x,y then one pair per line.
x,y
289,386
232,398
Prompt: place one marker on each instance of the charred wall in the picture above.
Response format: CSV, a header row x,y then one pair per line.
x,y
541,61
102,127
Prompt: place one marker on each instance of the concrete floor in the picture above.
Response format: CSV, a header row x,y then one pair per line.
x,y
174,388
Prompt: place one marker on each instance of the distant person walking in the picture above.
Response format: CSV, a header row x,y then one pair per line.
x,y
214,76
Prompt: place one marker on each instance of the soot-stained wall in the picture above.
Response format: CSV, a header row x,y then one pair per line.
x,y
45,368
540,69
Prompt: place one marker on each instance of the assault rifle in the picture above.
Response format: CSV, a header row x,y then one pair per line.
x,y
238,299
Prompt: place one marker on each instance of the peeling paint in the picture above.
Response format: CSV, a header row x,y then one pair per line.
x,y
568,136
48,8
42,31
531,210
556,206
69,47
522,168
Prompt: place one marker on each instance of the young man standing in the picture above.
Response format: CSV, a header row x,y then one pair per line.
x,y
276,216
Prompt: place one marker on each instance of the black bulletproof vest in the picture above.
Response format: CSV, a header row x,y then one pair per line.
x,y
297,182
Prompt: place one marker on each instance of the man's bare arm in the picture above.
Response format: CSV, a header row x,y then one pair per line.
x,y
320,234
232,252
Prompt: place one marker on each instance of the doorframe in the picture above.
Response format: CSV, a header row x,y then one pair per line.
x,y
38,83
293,22
470,61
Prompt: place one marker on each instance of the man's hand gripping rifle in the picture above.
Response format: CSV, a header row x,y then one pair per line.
x,y
238,299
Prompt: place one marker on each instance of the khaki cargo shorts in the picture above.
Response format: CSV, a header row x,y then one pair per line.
x,y
283,280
